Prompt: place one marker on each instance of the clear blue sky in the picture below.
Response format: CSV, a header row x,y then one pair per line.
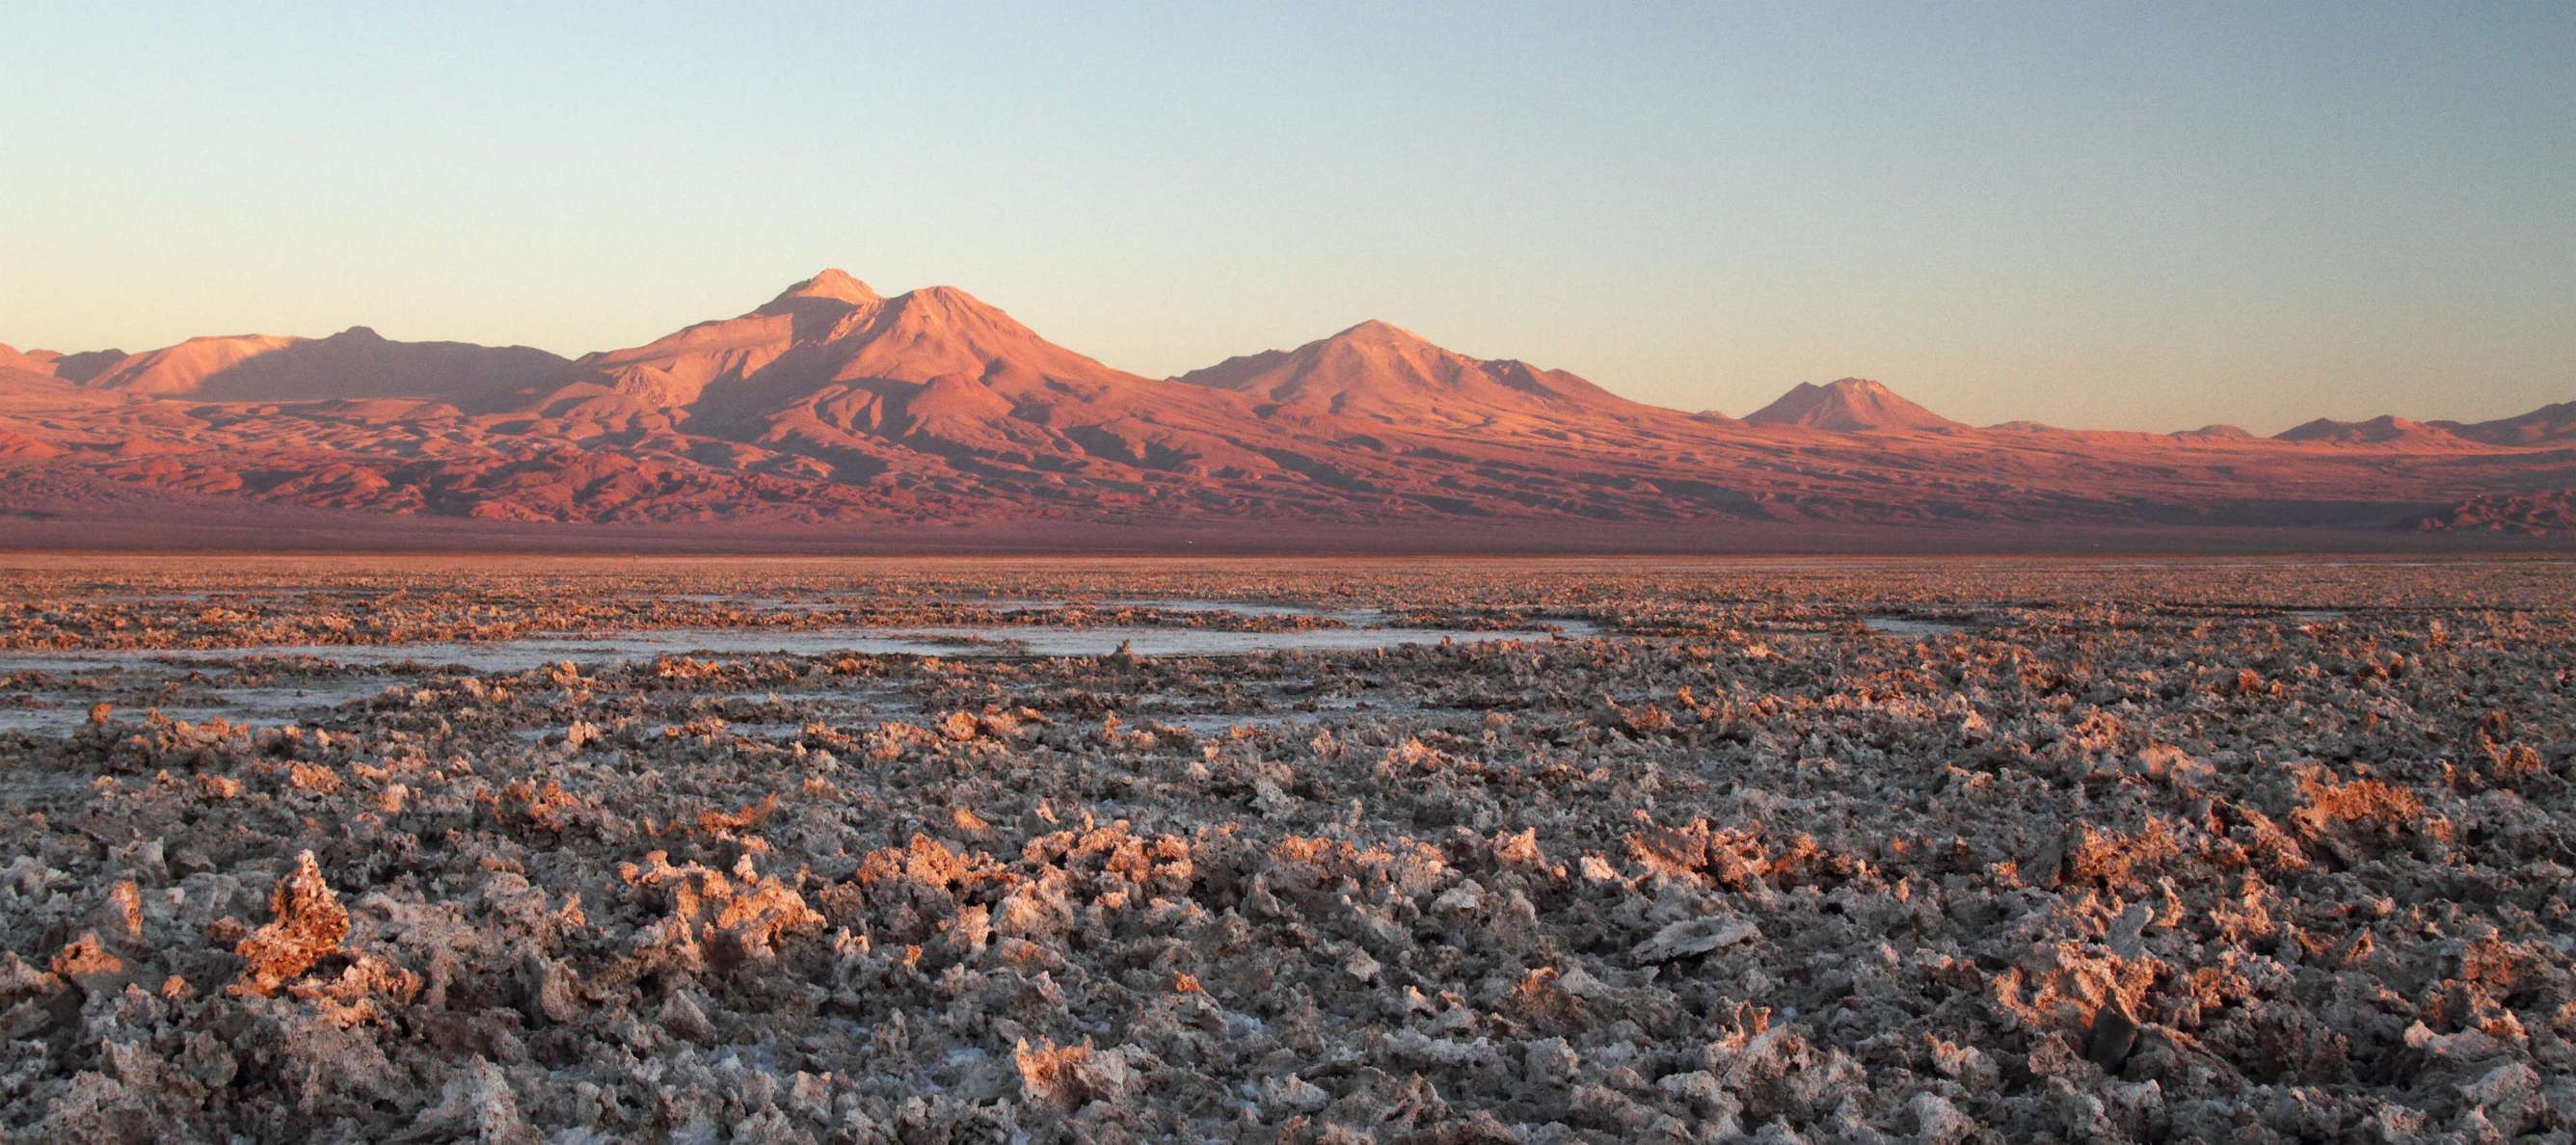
x,y
2146,215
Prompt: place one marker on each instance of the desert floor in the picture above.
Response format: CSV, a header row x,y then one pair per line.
x,y
1656,849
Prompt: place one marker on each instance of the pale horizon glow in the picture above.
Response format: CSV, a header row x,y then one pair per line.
x,y
2098,216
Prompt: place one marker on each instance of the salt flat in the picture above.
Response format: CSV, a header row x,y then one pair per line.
x,y
1963,849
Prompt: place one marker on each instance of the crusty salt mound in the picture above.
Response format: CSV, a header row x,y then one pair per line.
x,y
307,925
2076,852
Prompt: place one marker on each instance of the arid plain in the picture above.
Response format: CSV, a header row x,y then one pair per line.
x,y
1551,850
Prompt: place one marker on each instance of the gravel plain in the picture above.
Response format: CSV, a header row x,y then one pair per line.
x,y
1668,850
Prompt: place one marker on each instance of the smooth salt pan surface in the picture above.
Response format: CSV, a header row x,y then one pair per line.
x,y
1033,640
1911,626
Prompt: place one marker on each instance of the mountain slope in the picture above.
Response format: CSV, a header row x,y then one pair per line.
x,y
360,364
2382,431
356,363
2548,425
40,362
88,364
180,369
1849,405
1384,373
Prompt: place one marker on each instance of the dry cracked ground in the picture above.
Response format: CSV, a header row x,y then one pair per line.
x,y
1830,851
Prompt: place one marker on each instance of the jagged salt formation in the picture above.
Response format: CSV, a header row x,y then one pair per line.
x,y
2098,867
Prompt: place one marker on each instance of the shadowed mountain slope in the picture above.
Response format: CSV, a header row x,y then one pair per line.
x,y
356,363
2548,425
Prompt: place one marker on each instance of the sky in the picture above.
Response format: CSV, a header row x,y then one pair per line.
x,y
2145,216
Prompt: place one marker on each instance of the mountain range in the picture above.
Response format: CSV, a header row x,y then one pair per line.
x,y
832,411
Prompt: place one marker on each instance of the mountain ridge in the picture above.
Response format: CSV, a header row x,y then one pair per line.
x,y
831,403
